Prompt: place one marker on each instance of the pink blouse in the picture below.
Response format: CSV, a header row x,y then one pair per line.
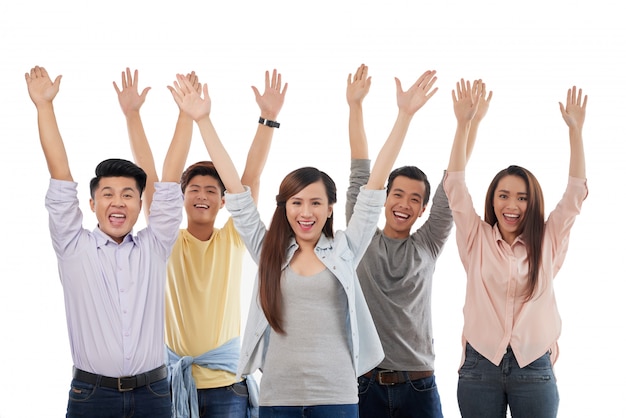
x,y
495,313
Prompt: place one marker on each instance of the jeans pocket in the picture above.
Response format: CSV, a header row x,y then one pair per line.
x,y
542,363
239,389
80,391
364,384
160,388
423,385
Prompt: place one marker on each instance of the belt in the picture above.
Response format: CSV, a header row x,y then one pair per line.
x,y
392,377
124,383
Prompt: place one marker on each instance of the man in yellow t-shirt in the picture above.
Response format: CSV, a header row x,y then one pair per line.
x,y
202,307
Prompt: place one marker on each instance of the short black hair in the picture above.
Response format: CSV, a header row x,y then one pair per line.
x,y
411,172
117,167
201,168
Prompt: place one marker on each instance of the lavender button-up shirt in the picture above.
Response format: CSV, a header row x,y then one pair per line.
x,y
114,294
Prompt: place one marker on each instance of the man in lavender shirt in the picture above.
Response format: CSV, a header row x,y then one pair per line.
x,y
113,281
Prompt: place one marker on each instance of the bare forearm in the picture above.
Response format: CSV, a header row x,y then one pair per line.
x,y
219,156
356,131
459,152
577,166
389,152
257,158
52,143
177,153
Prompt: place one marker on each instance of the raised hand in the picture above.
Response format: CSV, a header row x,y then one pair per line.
x,y
41,89
129,97
573,111
273,97
189,99
483,101
358,86
466,100
418,94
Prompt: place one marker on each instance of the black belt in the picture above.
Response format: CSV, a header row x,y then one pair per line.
x,y
392,377
124,383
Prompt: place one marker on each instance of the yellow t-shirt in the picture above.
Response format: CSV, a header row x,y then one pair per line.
x,y
202,299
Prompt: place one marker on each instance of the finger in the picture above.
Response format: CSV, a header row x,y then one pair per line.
x,y
398,85
136,78
267,80
256,91
284,89
145,92
117,90
274,77
279,82
489,97
124,83
585,102
57,81
454,99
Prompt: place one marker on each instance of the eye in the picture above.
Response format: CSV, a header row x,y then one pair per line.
x,y
317,203
107,194
128,196
523,198
502,196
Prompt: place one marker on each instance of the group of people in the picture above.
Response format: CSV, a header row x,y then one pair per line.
x,y
340,321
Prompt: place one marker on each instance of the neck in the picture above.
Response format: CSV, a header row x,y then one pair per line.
x,y
201,232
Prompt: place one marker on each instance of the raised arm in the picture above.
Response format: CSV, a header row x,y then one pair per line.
x,y
270,103
465,101
198,107
409,102
483,107
358,87
42,92
573,113
131,101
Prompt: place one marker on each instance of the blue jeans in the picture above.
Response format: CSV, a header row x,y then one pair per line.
x,y
225,402
317,411
415,398
485,390
93,401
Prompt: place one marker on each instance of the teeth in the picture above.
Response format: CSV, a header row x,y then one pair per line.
x,y
401,215
506,215
117,215
308,223
201,206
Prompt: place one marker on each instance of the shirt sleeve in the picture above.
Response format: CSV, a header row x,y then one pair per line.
x,y
561,220
166,214
439,224
64,215
359,175
247,221
466,219
364,221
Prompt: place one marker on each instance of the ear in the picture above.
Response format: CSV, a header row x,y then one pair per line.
x,y
330,210
222,202
422,212
92,204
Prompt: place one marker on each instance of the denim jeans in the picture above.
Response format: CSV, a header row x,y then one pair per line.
x,y
225,402
93,401
485,390
413,399
317,411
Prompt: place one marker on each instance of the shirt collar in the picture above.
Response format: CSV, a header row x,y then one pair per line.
x,y
498,236
102,239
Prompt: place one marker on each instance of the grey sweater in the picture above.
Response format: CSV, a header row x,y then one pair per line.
x,y
396,276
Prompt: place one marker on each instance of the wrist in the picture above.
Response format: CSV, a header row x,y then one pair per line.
x,y
269,122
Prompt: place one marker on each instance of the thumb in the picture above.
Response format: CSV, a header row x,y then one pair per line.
x,y
57,81
145,91
256,91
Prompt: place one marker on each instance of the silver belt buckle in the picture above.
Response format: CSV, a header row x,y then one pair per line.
x,y
119,385
380,374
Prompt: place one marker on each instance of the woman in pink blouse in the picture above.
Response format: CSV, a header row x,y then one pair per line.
x,y
511,319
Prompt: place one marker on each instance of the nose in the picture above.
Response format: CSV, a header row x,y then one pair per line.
x,y
118,201
306,210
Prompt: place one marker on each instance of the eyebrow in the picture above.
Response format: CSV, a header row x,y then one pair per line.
x,y
508,192
205,187
398,189
132,189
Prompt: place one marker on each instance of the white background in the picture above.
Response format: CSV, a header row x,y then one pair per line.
x,y
528,53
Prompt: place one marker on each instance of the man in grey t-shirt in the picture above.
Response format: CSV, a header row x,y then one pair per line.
x,y
396,275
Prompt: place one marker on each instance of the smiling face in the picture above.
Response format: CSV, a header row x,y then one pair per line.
x,y
117,204
203,200
307,212
403,206
510,201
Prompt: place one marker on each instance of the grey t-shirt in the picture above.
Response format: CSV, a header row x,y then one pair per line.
x,y
396,276
311,363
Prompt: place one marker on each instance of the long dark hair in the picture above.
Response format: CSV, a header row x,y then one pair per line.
x,y
274,251
533,225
